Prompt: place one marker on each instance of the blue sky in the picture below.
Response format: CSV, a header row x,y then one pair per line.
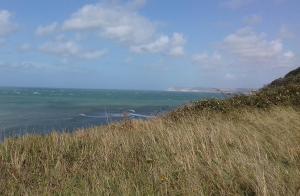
x,y
147,44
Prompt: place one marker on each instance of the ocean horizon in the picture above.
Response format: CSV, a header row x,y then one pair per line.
x,y
30,110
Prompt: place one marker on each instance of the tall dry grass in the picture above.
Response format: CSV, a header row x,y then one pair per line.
x,y
243,152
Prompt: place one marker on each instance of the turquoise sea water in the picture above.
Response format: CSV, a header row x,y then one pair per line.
x,y
40,110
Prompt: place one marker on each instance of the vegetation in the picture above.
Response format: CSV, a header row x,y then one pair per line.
x,y
291,78
284,92
246,145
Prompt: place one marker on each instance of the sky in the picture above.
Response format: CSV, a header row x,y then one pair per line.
x,y
147,44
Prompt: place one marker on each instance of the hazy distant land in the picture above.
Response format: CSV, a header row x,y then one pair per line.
x,y
245,91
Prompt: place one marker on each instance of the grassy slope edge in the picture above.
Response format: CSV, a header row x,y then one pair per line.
x,y
281,92
246,145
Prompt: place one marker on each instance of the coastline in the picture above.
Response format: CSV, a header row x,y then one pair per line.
x,y
244,145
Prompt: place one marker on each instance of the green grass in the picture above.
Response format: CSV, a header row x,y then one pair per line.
x,y
246,145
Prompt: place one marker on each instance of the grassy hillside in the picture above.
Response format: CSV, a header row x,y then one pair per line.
x,y
291,78
281,92
246,145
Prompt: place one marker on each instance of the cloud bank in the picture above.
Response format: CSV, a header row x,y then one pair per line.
x,y
67,49
121,24
7,26
245,47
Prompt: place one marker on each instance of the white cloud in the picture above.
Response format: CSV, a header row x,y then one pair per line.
x,y
207,60
46,30
6,24
247,48
123,24
112,21
173,46
250,47
177,51
70,49
177,44
253,20
178,39
157,46
246,43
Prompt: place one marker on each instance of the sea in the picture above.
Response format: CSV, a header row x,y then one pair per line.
x,y
43,110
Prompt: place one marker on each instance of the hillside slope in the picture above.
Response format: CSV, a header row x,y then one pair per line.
x,y
292,78
281,92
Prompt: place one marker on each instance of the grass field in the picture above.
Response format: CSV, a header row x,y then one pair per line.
x,y
248,152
